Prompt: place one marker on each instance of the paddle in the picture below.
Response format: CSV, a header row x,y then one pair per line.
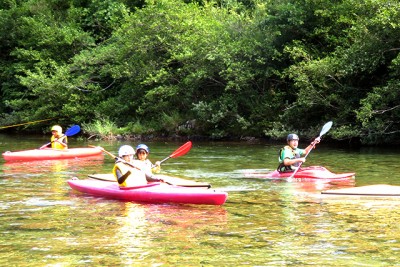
x,y
115,157
69,132
324,130
182,150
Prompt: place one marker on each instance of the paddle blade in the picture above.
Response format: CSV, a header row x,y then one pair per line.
x,y
326,128
182,150
73,130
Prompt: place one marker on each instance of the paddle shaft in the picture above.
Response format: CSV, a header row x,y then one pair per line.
x,y
324,130
70,132
167,158
148,175
181,151
62,136
115,157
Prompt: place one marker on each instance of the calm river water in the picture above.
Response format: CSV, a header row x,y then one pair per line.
x,y
263,223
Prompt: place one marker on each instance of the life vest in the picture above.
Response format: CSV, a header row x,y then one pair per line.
x,y
147,166
55,142
294,155
136,178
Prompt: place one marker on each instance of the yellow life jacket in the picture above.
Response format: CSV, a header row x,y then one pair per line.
x,y
136,178
56,145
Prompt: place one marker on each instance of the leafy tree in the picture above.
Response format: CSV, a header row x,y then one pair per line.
x,y
230,68
330,82
46,35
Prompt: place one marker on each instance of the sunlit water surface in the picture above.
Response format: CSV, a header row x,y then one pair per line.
x,y
263,223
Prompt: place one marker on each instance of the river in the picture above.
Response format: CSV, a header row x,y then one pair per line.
x,y
263,223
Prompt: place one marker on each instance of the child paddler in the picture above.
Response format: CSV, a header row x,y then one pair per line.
x,y
58,139
127,171
142,153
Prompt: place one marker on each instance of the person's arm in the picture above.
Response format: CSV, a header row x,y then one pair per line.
x,y
289,162
151,178
287,155
63,141
121,178
156,167
312,145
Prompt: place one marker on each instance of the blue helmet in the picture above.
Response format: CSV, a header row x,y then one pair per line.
x,y
291,137
144,147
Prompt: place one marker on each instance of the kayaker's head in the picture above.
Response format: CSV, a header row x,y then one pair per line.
x,y
142,151
126,152
56,130
293,140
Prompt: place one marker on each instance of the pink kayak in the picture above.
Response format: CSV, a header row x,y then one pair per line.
x,y
312,172
150,193
49,154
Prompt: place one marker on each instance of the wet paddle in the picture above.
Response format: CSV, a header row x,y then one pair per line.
x,y
182,150
69,132
324,130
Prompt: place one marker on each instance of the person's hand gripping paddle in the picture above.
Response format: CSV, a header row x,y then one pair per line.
x,y
69,132
324,130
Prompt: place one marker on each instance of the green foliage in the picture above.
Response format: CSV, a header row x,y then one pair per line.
x,y
136,128
103,128
331,84
235,68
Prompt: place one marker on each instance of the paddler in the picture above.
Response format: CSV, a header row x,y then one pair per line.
x,y
142,152
128,172
58,139
290,156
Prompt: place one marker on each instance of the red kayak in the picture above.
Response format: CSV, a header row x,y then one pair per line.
x,y
49,154
312,172
150,193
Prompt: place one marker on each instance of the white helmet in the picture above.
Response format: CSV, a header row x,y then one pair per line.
x,y
57,128
126,150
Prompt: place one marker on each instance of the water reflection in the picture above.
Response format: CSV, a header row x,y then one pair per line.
x,y
263,223
56,167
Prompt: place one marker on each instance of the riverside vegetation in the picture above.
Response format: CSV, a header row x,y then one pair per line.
x,y
220,69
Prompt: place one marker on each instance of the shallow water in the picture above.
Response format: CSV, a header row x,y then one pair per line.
x,y
263,223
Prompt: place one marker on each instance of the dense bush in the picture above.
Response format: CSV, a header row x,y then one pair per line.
x,y
231,68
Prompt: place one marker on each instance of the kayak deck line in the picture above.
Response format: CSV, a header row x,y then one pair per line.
x,y
312,172
378,190
172,180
